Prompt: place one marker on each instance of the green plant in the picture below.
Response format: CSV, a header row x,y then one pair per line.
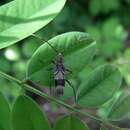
x,y
96,88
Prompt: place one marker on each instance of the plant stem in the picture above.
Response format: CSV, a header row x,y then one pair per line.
x,y
27,87
8,77
47,97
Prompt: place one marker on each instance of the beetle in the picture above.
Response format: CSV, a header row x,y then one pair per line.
x,y
59,71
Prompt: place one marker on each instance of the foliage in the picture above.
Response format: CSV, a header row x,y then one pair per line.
x,y
5,114
72,45
102,82
27,115
19,24
72,122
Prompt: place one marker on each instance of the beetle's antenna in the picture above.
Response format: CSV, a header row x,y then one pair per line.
x,y
43,40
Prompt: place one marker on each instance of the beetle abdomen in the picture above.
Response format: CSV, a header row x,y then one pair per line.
x,y
59,91
59,82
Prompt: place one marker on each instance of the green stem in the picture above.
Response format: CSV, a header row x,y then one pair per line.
x,y
8,77
47,97
27,87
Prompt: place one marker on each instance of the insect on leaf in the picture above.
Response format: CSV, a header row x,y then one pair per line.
x,y
78,49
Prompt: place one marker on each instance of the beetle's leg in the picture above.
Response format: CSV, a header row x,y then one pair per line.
x,y
74,91
67,71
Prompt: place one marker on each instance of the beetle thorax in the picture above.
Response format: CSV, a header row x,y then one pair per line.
x,y
59,59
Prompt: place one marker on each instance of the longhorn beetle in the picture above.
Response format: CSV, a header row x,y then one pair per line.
x,y
59,71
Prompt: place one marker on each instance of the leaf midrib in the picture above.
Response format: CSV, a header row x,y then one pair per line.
x,y
96,86
31,16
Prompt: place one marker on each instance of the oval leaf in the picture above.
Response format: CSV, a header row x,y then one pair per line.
x,y
21,18
26,115
70,123
78,49
100,85
120,109
5,123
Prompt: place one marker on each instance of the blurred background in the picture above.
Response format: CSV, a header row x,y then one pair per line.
x,y
108,21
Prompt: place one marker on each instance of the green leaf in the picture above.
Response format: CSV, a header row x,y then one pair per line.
x,y
70,123
124,68
100,85
105,109
5,65
18,19
78,49
94,7
120,109
26,115
5,123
